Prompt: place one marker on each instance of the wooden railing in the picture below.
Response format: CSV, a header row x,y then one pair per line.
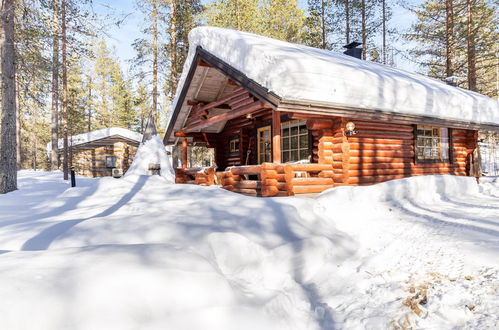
x,y
204,176
270,179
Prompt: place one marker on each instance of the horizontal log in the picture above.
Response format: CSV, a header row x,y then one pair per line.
x,y
225,116
377,140
241,104
311,181
310,167
325,153
311,189
327,145
242,97
315,124
214,104
377,134
246,170
270,182
248,184
326,174
268,191
361,160
380,153
371,146
250,192
384,128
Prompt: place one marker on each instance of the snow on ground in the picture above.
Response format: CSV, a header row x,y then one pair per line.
x,y
138,252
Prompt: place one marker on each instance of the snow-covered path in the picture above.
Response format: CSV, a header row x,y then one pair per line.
x,y
141,253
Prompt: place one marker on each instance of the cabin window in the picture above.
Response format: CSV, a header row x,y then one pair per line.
x,y
294,141
110,161
234,145
264,144
432,144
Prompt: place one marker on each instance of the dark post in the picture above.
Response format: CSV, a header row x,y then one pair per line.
x,y
73,179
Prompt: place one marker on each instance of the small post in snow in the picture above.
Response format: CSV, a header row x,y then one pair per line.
x,y
73,178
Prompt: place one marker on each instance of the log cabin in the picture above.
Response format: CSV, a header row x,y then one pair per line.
x,y
287,119
104,152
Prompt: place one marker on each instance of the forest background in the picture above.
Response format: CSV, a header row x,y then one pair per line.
x,y
85,65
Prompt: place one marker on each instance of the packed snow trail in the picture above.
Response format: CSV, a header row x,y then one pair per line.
x,y
141,253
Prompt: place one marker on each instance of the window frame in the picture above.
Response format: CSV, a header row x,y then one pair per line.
x,y
232,142
440,159
288,125
114,162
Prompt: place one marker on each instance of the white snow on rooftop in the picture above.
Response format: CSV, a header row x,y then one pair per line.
x,y
97,135
301,73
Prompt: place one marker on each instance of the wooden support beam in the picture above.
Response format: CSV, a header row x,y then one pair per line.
x,y
237,92
184,152
276,137
225,116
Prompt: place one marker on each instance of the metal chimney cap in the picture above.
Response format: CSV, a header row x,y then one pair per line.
x,y
352,45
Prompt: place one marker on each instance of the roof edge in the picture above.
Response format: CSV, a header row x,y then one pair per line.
x,y
253,87
376,114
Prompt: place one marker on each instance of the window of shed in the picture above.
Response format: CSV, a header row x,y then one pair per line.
x,y
110,161
234,145
294,141
432,144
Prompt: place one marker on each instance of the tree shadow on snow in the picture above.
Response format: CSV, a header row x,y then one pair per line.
x,y
43,239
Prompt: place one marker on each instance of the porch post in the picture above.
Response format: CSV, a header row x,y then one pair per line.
x,y
184,152
276,137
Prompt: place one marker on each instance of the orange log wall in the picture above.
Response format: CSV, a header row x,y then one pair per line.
x,y
381,151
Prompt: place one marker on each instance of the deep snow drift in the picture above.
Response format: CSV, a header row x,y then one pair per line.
x,y
152,151
140,253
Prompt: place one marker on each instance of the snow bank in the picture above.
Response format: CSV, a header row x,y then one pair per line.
x,y
97,135
152,152
297,72
429,189
137,253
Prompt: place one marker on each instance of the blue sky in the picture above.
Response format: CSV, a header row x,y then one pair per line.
x,y
122,37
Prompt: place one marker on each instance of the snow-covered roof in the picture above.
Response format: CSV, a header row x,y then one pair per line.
x,y
306,74
98,135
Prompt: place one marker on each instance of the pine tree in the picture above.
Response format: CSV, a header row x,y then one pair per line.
x,y
141,104
8,164
103,64
242,15
54,160
182,19
458,38
282,19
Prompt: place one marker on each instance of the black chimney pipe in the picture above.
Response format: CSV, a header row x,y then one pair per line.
x,y
352,49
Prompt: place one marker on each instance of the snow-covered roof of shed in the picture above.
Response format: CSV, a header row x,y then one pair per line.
x,y
306,74
100,134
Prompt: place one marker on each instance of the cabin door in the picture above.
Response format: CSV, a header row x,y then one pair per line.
x,y
264,144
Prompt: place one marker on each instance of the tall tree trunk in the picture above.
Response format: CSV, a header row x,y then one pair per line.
x,y
8,166
54,127
154,17
471,47
347,20
364,32
323,21
35,139
383,4
449,36
90,105
173,49
64,91
18,127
